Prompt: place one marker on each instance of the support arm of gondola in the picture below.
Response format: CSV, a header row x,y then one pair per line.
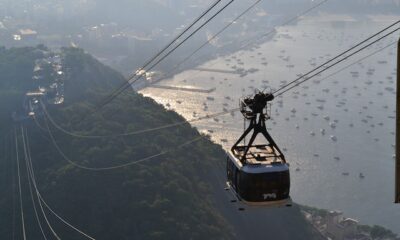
x,y
253,109
273,144
253,137
257,127
249,128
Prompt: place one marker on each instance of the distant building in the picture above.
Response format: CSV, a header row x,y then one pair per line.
x,y
339,228
28,34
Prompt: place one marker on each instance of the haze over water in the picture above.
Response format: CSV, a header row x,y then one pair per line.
x,y
332,131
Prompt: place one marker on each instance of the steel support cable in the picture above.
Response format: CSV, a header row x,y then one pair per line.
x,y
119,90
62,219
171,72
19,186
359,60
131,81
341,54
45,217
116,166
30,184
174,40
236,109
169,125
73,134
330,66
174,124
158,128
180,35
296,17
33,180
40,198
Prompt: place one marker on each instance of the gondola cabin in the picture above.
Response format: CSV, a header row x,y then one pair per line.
x,y
258,173
263,180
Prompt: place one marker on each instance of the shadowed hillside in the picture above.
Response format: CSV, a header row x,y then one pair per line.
x,y
178,195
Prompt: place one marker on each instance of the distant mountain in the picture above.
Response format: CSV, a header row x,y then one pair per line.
x,y
179,195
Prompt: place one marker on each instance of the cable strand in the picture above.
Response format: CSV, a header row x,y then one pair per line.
x,y
30,184
117,166
170,73
41,200
173,41
19,186
341,54
131,81
330,66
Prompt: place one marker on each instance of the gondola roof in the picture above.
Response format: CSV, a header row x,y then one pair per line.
x,y
259,159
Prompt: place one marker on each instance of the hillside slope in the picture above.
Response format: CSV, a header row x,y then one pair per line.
x,y
178,195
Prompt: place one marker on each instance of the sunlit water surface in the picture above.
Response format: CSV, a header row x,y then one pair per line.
x,y
355,106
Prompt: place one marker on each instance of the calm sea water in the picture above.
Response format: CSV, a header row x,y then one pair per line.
x,y
356,107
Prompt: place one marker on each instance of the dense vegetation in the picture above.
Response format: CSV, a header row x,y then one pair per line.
x,y
175,196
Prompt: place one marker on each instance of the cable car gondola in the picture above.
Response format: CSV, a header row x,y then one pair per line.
x,y
258,174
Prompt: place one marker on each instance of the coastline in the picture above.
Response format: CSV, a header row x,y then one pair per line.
x,y
327,222
178,102
257,38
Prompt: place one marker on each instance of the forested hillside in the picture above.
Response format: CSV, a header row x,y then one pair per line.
x,y
178,195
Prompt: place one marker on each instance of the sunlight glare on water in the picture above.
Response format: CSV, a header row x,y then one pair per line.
x,y
337,134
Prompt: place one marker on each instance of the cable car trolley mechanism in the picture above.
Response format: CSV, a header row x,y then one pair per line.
x,y
258,173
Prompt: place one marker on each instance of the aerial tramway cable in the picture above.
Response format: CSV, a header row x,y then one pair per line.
x,y
40,198
343,54
19,186
212,38
180,35
248,42
136,162
208,116
33,180
208,41
57,126
170,72
306,78
224,112
62,219
13,170
359,60
173,41
290,20
133,80
30,185
184,122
